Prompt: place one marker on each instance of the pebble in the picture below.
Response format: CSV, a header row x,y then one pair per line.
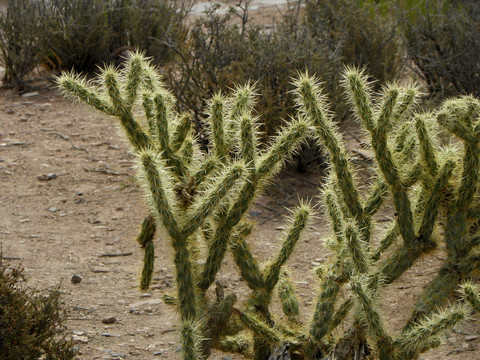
x,y
115,354
30,94
109,320
80,339
158,353
52,209
47,177
76,279
98,269
23,119
10,111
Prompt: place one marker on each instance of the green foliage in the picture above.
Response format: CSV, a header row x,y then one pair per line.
x,y
31,325
20,50
76,33
200,200
442,40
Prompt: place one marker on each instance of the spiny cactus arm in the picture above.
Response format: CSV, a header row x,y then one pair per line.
x,y
217,124
235,344
375,198
148,110
402,259
400,139
160,187
298,222
429,160
174,162
372,319
413,339
389,169
248,141
335,214
359,95
457,114
190,341
385,243
181,132
412,176
187,151
137,137
471,292
207,166
313,104
356,249
161,119
323,314
134,77
78,88
226,223
244,259
406,101
145,238
432,202
457,225
212,197
241,102
286,292
285,143
259,327
163,202
341,313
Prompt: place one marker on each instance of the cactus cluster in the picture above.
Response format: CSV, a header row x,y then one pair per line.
x,y
201,197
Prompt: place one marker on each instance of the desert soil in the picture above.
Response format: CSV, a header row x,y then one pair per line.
x,y
68,198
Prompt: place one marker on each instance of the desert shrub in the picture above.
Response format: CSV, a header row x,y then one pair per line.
x,y
152,26
76,33
31,325
443,43
20,48
223,50
360,33
84,34
202,199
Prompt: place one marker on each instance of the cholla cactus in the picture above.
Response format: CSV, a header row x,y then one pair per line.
x,y
191,193
199,196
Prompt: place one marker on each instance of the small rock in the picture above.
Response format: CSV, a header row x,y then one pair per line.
x,y
107,334
158,353
76,279
23,119
52,209
472,337
47,177
118,355
109,320
98,269
80,339
30,94
10,111
113,147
